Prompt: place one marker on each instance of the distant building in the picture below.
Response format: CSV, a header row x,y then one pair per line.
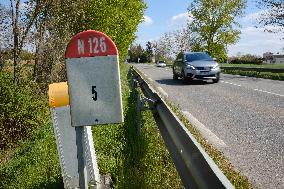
x,y
270,58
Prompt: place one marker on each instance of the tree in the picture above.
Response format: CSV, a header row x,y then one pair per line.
x,y
162,47
172,43
214,25
2,18
149,51
118,19
63,19
3,29
181,40
273,15
246,59
46,26
22,20
136,52
54,27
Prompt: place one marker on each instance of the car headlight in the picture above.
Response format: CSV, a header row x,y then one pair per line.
x,y
216,67
188,66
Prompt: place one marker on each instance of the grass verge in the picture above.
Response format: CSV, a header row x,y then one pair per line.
x,y
265,75
33,164
254,65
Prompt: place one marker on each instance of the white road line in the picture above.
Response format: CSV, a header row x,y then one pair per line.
x,y
237,85
268,92
230,83
205,132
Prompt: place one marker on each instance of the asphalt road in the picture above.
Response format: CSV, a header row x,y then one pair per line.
x,y
241,116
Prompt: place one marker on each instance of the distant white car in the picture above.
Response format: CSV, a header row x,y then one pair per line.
x,y
161,63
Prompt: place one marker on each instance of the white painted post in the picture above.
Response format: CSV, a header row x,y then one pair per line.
x,y
66,145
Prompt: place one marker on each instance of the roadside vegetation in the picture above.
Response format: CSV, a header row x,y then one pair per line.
x,y
133,158
266,75
251,61
254,65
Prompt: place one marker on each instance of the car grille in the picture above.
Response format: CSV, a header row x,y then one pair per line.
x,y
203,68
204,76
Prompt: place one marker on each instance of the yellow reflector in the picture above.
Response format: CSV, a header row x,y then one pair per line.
x,y
58,94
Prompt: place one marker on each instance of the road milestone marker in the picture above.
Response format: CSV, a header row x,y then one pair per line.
x,y
93,79
93,86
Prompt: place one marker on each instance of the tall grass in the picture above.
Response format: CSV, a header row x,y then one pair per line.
x,y
34,164
135,158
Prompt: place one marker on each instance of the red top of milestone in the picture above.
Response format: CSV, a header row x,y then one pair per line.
x,y
90,43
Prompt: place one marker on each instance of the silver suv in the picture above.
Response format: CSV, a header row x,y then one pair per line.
x,y
195,65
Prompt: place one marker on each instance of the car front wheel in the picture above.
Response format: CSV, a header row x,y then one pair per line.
x,y
217,79
175,77
184,78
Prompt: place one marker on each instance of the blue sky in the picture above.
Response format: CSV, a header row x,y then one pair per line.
x,y
167,15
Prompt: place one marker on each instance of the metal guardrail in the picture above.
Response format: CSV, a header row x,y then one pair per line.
x,y
195,167
272,70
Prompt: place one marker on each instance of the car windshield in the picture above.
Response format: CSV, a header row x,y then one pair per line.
x,y
198,56
161,61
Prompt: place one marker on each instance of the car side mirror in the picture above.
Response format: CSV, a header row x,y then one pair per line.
x,y
214,59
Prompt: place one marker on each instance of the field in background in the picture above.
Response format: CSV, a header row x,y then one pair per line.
x,y
254,65
265,75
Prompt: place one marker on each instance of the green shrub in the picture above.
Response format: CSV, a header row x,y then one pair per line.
x,y
265,75
34,163
21,110
246,59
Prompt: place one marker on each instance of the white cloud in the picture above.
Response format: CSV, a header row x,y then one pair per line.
x,y
147,20
257,41
181,19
